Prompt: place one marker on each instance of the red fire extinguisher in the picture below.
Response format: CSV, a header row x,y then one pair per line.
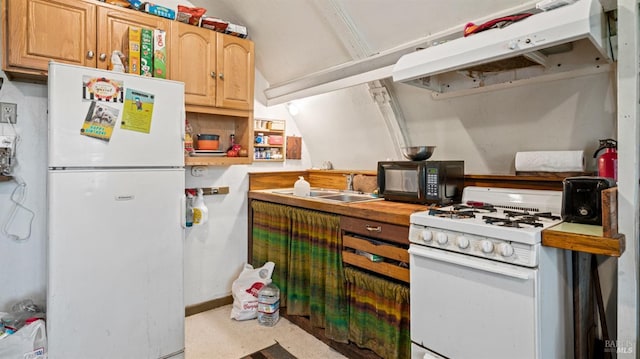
x,y
608,161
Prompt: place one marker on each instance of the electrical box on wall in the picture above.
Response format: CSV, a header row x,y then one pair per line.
x,y
7,151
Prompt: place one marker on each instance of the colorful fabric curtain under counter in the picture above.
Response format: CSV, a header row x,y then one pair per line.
x,y
271,226
306,247
378,314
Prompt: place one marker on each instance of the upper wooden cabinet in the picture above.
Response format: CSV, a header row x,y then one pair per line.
x,y
236,72
193,61
71,31
217,69
36,31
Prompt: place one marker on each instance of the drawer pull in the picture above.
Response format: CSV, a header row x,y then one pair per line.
x,y
374,229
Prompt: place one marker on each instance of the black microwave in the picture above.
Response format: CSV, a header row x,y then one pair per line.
x,y
427,182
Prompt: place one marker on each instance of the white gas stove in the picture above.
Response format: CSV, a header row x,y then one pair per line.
x,y
482,284
494,223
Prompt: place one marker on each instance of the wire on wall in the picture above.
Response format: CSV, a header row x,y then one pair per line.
x,y
17,198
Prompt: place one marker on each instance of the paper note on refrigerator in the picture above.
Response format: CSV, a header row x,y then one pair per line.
x,y
137,111
99,121
101,89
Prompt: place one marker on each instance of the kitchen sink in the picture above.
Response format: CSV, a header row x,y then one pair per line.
x,y
332,195
313,193
348,197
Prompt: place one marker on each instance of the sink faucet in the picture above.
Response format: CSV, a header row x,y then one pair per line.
x,y
350,181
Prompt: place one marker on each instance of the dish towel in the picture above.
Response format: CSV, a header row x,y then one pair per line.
x,y
550,161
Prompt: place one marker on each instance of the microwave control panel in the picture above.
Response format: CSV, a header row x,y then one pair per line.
x,y
432,181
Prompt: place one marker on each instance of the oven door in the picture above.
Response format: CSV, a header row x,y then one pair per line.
x,y
469,307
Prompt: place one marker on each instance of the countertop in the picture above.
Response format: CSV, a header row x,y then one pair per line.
x,y
375,209
583,238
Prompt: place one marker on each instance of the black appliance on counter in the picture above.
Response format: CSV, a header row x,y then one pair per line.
x,y
582,200
427,182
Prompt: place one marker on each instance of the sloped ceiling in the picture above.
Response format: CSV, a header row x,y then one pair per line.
x,y
298,38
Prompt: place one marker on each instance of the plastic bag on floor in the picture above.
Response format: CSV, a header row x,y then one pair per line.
x,y
30,342
245,290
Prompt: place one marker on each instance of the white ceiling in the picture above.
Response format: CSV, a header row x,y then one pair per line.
x,y
295,38
308,47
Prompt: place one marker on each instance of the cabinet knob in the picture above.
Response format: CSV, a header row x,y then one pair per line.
x,y
90,54
221,76
103,57
213,74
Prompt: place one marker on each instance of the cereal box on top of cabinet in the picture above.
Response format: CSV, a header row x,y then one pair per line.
x,y
236,30
146,53
160,53
214,24
131,49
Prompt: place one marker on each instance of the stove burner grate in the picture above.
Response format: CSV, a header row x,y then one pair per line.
x,y
477,208
455,214
511,222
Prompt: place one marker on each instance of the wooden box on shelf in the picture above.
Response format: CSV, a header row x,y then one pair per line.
x,y
269,140
224,124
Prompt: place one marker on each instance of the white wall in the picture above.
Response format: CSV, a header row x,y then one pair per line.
x,y
215,252
344,127
486,130
22,263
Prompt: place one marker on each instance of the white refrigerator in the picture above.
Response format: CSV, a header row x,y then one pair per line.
x,y
115,215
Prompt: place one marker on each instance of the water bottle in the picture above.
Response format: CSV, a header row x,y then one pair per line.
x,y
268,305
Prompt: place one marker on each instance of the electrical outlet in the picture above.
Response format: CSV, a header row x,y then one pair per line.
x,y
198,171
8,112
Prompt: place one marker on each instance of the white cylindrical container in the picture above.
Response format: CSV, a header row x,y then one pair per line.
x,y
269,305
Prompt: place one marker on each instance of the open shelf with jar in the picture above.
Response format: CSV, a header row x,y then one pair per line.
x,y
269,140
223,123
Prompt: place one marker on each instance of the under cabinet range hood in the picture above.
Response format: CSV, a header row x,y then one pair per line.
x,y
565,42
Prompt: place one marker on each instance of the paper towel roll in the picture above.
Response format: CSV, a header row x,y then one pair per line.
x,y
550,161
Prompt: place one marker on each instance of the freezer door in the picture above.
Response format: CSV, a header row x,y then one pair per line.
x,y
70,105
115,264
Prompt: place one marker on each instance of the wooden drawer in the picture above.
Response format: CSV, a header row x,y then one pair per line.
x,y
389,270
392,256
389,251
385,231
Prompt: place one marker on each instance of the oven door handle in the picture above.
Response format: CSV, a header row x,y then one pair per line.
x,y
471,262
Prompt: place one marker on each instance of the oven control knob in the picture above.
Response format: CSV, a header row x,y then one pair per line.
x,y
426,235
487,246
463,242
506,250
441,238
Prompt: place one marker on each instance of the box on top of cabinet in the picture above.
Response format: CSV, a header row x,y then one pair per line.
x,y
160,11
160,53
131,49
146,52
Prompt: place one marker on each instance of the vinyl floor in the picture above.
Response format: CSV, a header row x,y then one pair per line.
x,y
214,335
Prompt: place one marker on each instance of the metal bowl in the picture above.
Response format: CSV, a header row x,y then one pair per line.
x,y
418,153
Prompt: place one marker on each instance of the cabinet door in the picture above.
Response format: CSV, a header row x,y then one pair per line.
x,y
235,72
193,61
113,25
41,30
